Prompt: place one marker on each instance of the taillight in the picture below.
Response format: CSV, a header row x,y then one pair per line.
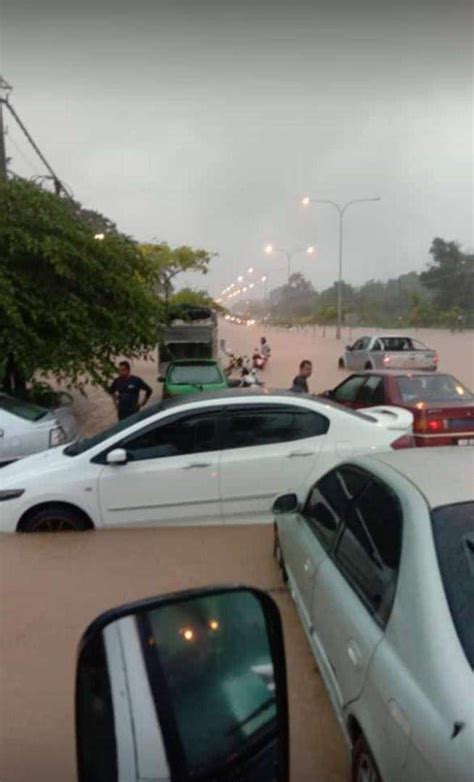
x,y
386,359
405,441
430,425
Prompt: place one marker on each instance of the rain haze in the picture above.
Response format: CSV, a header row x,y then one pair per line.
x,y
205,123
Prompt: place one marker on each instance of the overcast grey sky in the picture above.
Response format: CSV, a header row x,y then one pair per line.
x,y
204,123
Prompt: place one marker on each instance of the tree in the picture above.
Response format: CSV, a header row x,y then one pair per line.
x,y
69,303
450,276
191,298
168,262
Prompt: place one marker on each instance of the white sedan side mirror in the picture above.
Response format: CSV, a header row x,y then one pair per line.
x,y
117,456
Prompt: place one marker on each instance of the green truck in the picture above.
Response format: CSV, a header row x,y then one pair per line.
x,y
188,352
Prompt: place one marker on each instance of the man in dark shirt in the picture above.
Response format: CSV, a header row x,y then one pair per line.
x,y
300,383
125,391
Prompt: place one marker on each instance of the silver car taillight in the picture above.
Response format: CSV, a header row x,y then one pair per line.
x,y
56,437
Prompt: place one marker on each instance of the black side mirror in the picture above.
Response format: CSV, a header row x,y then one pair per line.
x,y
349,347
287,503
161,379
182,687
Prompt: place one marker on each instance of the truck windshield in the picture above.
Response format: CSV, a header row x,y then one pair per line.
x,y
194,374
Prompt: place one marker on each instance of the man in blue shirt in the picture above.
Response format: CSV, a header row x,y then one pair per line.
x,y
125,391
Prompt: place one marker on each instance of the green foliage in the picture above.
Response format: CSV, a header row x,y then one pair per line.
x,y
193,298
440,296
450,277
69,303
168,262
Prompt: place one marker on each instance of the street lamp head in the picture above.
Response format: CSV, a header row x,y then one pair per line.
x,y
250,269
305,201
268,249
310,250
99,237
264,279
240,279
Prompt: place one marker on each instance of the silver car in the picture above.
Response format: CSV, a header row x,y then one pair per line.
x,y
380,563
26,428
388,352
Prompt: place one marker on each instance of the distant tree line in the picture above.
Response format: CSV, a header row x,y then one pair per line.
x,y
442,295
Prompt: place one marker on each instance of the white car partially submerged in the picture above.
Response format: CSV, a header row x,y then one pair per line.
x,y
26,428
380,562
211,458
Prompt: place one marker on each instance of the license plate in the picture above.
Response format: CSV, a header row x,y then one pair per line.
x,y
466,441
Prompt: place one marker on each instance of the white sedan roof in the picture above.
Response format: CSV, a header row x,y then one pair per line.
x,y
445,475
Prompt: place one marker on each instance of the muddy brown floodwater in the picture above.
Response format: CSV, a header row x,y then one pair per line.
x,y
52,586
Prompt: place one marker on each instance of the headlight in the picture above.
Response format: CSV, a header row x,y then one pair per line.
x,y
56,437
10,494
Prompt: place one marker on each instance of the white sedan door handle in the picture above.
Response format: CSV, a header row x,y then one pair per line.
x,y
301,454
354,654
308,568
196,466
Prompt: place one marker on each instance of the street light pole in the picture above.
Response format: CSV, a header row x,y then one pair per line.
x,y
269,249
341,209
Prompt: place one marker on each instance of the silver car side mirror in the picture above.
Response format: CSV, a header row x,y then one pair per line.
x,y
191,686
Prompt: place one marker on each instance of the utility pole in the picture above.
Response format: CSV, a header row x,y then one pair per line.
x,y
4,91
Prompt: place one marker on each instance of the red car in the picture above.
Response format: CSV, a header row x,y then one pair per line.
x,y
443,408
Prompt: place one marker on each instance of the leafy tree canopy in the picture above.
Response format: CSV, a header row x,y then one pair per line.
x,y
69,303
450,276
168,262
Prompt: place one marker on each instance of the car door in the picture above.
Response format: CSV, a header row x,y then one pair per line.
x,y
347,392
306,538
267,450
358,355
171,476
355,587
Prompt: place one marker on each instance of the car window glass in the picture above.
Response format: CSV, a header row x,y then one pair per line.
x,y
396,344
431,388
365,343
246,428
329,500
372,392
357,344
190,434
368,552
377,345
453,531
348,391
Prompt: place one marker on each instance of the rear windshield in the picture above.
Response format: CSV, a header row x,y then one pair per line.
x,y
24,410
432,388
453,530
85,443
397,343
194,375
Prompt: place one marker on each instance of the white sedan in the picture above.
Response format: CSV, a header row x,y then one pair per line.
x,y
206,459
26,428
380,561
